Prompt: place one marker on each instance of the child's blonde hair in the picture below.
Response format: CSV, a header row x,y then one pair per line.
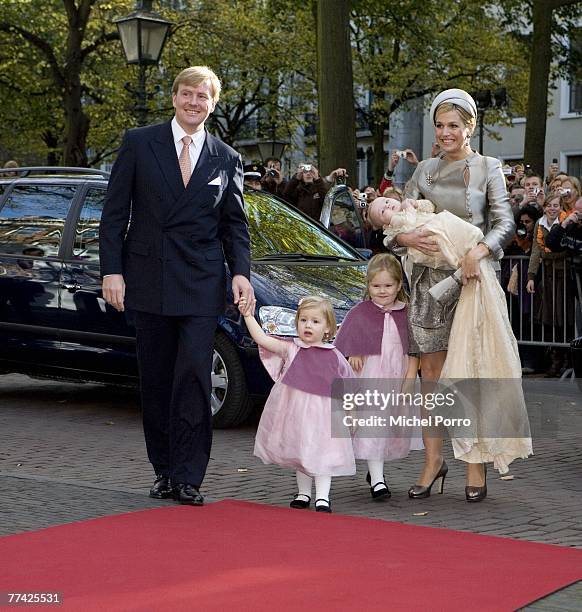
x,y
323,304
550,197
385,262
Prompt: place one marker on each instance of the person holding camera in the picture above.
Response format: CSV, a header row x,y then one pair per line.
x,y
519,174
306,190
370,193
272,180
569,192
533,191
553,171
388,178
567,235
516,197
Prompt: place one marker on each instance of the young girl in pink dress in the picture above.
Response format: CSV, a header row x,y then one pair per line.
x,y
295,429
374,335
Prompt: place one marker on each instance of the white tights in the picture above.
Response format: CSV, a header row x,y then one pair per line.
x,y
322,485
376,469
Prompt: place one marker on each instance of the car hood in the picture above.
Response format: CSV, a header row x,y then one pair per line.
x,y
285,283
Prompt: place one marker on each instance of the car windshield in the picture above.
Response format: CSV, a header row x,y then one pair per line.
x,y
277,229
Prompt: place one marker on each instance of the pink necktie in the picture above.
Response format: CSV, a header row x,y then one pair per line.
x,y
184,160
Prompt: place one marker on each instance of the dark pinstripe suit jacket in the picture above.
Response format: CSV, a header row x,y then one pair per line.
x,y
170,242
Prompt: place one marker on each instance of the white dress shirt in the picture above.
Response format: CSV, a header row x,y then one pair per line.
x,y
196,145
544,222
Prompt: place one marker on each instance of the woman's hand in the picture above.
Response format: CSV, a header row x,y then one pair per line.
x,y
573,217
410,157
357,362
419,239
470,264
530,287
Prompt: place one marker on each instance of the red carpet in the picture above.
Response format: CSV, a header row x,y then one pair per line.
x,y
241,556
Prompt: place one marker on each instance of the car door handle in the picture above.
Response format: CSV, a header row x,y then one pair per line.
x,y
71,287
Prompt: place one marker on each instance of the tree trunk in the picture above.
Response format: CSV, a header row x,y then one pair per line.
x,y
539,72
76,121
76,126
337,119
379,155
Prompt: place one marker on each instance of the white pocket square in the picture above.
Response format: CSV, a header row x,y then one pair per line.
x,y
215,181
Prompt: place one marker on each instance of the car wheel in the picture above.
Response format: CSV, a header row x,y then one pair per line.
x,y
230,402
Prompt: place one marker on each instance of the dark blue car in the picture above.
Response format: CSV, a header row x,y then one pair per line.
x,y
55,323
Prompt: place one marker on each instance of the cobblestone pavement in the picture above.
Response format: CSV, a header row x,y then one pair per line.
x,y
73,452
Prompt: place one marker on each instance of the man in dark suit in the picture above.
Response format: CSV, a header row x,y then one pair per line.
x,y
174,211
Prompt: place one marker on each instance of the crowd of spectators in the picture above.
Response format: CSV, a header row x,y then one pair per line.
x,y
542,265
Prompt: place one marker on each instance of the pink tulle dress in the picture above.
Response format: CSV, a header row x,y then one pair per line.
x,y
391,365
295,427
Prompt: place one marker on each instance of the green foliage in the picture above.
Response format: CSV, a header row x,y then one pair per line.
x,y
263,51
566,19
405,50
37,64
264,54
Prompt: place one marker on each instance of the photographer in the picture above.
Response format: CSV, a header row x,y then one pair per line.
x,y
569,192
553,171
516,197
388,178
273,180
567,236
306,190
519,173
525,221
370,193
534,192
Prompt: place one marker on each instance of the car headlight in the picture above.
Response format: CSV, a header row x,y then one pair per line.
x,y
278,321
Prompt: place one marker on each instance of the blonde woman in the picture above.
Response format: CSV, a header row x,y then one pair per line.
x,y
471,187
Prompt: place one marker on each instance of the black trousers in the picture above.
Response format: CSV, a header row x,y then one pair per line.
x,y
175,360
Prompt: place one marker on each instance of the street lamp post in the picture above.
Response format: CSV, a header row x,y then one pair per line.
x,y
486,99
271,148
143,34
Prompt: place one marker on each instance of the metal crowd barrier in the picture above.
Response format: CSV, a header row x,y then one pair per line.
x,y
557,293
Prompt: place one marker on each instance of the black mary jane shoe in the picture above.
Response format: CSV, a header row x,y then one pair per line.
x,y
188,495
477,494
162,488
322,505
380,489
300,504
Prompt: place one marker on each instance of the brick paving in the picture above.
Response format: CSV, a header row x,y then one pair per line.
x,y
73,452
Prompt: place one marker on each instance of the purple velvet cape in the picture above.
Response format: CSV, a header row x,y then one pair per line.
x,y
314,369
362,330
